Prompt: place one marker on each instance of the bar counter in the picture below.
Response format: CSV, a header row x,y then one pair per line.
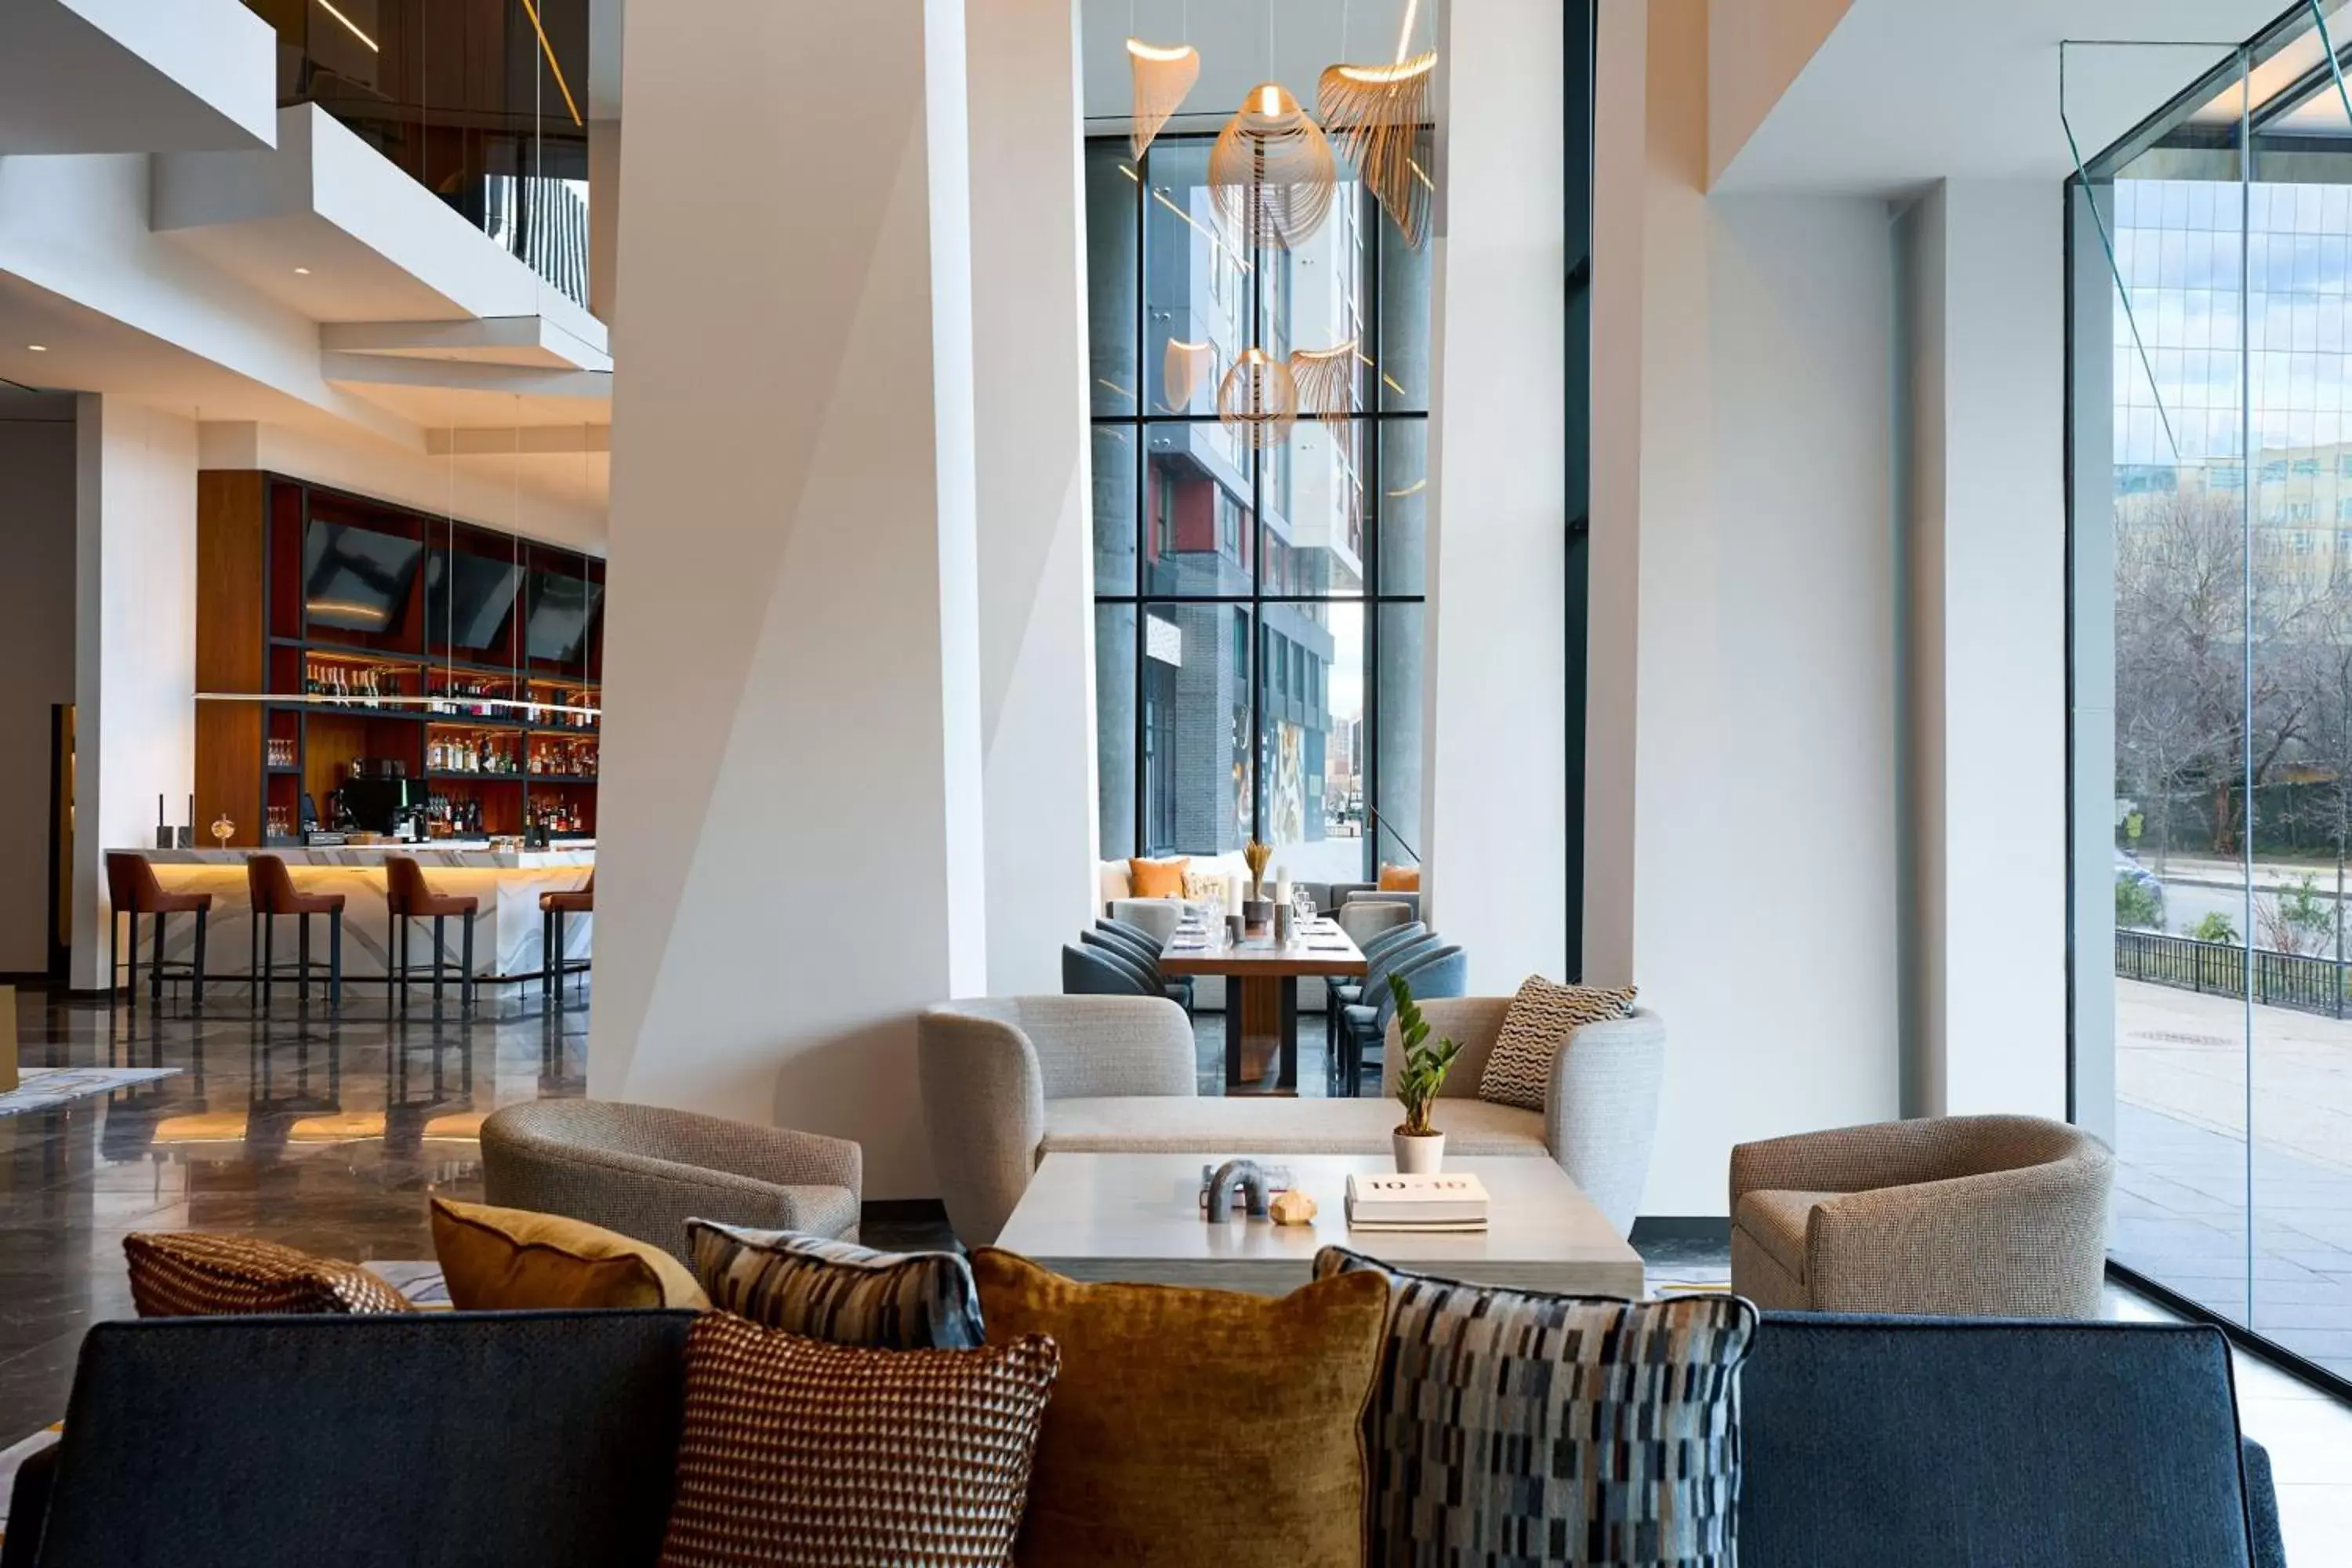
x,y
507,882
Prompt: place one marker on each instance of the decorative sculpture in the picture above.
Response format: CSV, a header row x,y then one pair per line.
x,y
1294,1207
1379,118
1163,74
1220,1190
1271,172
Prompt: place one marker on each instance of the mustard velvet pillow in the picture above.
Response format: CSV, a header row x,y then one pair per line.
x,y
1400,879
507,1260
1191,1427
1157,879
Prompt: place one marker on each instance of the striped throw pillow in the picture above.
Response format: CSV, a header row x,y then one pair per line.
x,y
1518,1427
1541,1018
794,1451
193,1274
837,1290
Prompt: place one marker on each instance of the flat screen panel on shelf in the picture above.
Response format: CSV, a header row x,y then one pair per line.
x,y
356,579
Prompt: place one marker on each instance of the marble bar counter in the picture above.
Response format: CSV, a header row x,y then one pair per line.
x,y
505,883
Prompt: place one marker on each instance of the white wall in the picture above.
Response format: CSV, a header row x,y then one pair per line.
x,y
790,819
135,646
1743,716
1035,563
1754,52
37,658
1495,837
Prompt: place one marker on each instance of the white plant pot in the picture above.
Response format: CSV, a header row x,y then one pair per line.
x,y
1422,1156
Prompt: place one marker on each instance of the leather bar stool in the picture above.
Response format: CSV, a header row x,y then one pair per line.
x,y
273,892
553,909
132,888
413,898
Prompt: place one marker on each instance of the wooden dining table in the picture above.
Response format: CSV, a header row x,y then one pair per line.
x,y
1262,977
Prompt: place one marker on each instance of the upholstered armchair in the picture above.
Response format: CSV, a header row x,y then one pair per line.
x,y
1601,1105
988,1066
2001,1216
645,1170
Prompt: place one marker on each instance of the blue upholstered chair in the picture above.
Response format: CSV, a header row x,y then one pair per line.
x,y
1107,935
1091,972
1134,933
1146,965
1430,972
1387,950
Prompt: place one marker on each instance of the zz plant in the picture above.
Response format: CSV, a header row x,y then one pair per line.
x,y
1423,1067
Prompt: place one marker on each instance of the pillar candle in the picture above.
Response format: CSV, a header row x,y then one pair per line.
x,y
1234,894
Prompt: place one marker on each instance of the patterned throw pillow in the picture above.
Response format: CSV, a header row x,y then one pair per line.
x,y
1516,1427
837,1290
1204,887
1541,1017
798,1452
191,1275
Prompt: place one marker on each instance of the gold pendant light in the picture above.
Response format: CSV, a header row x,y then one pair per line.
x,y
1182,372
1271,172
1379,117
1325,379
1163,74
1258,398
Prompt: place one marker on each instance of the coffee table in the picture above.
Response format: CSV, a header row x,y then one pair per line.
x,y
1138,1218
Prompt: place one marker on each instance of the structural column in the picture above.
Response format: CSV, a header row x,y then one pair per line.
x,y
789,827
134,646
1029,366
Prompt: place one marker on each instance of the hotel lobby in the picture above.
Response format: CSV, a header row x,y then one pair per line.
x,y
1175,780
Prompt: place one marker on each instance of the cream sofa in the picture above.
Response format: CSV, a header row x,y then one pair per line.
x,y
1008,1081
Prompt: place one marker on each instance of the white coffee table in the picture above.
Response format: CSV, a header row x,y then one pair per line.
x,y
1138,1218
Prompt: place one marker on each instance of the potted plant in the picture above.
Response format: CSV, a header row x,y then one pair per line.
x,y
1421,1068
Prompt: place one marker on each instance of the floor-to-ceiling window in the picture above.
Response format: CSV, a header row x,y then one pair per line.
x,y
2212,706
1257,609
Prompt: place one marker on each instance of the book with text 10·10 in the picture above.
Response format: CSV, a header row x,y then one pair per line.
x,y
1447,1202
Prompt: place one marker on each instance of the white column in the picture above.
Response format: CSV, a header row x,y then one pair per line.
x,y
1496,836
1988,656
134,646
790,857
1029,366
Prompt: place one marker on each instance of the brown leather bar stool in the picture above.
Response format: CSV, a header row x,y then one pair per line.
x,y
413,898
553,908
133,889
273,892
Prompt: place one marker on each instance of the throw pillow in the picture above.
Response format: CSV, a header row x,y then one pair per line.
x,y
794,1451
507,1260
1157,879
1204,887
1541,1018
191,1275
1515,1427
837,1290
1400,879
1194,1426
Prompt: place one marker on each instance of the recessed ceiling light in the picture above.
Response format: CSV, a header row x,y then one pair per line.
x,y
303,271
38,348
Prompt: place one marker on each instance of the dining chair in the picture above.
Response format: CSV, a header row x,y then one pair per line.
x,y
1133,933
1091,972
1408,942
1430,974
1108,933
1146,968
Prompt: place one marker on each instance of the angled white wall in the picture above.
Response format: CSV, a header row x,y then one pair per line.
x,y
790,837
1036,587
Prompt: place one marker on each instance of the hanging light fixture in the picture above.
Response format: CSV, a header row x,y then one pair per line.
x,y
1325,379
1163,74
1379,116
1271,171
1182,372
1258,398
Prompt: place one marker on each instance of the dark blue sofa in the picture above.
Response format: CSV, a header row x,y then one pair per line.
x,y
550,1437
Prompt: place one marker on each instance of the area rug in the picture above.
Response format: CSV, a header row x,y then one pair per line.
x,y
46,1089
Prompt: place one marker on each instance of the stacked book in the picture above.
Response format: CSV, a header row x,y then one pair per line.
x,y
1396,1201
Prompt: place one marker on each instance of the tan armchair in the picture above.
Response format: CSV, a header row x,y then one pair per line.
x,y
2002,1215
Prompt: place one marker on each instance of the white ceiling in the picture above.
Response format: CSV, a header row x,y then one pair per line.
x,y
1232,38
1904,91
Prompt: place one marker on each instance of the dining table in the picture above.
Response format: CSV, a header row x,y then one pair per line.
x,y
1262,974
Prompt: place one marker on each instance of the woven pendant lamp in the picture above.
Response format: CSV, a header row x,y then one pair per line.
x,y
1271,172
1183,369
1325,379
1258,398
1379,118
1163,74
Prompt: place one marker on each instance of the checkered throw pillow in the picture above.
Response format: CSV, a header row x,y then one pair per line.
x,y
1514,1427
795,1452
191,1275
1541,1018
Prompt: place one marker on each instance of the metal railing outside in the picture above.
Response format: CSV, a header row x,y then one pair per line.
x,y
2299,981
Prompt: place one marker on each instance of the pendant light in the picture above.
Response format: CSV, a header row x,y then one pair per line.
x,y
1258,398
1164,73
1271,172
1379,117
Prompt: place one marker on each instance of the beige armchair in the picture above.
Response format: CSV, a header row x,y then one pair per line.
x,y
645,1170
2001,1216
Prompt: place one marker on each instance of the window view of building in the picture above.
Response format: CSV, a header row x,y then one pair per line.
x,y
1257,608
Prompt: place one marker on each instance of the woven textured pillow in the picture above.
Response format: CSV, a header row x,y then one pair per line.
x,y
798,1452
1516,1427
837,1290
1541,1018
191,1275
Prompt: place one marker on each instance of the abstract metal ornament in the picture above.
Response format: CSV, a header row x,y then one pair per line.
x,y
1258,398
1181,372
1163,74
1325,379
1379,116
1271,171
